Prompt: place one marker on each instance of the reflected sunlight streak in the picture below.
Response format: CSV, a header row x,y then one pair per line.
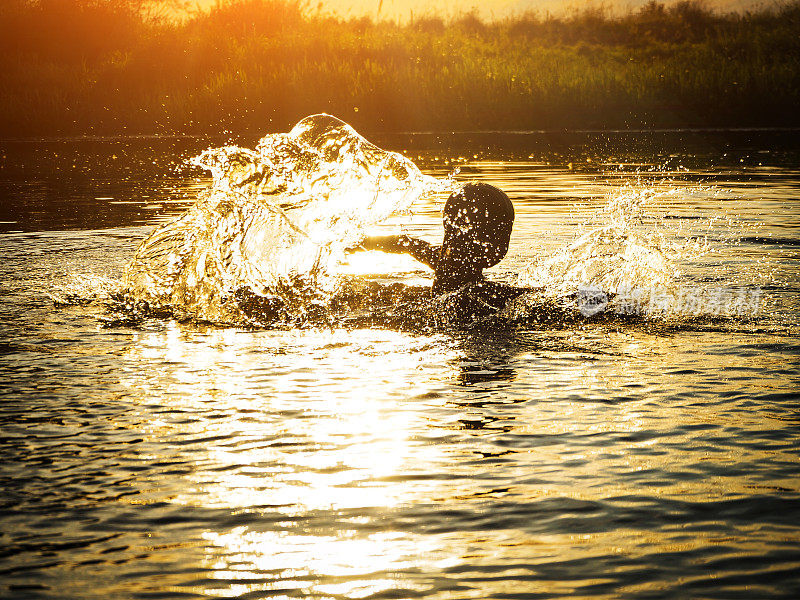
x,y
253,452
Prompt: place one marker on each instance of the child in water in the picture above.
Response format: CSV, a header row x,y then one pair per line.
x,y
477,224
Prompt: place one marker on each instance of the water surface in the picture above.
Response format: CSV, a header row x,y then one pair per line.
x,y
647,458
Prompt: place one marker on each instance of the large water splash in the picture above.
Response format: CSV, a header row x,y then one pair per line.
x,y
613,256
275,221
628,260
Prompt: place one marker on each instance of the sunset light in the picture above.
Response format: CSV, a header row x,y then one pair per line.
x,y
391,300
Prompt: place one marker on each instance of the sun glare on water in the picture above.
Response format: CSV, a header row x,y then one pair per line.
x,y
344,450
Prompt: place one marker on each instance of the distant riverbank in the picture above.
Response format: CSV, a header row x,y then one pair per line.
x,y
89,67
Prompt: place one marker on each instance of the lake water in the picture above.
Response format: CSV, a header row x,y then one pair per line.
x,y
646,457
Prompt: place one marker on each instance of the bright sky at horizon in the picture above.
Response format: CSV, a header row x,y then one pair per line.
x,y
491,8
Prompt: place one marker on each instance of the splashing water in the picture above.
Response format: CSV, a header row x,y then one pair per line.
x,y
275,221
84,288
625,258
610,257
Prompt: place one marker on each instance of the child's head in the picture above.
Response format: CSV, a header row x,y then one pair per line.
x,y
477,225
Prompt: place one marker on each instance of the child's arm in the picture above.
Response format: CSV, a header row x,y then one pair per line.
x,y
402,244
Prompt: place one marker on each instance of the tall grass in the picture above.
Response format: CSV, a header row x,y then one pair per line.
x,y
105,66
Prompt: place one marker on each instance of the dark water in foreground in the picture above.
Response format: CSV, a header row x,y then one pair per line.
x,y
647,459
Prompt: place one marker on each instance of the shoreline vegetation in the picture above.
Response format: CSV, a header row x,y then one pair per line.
x,y
108,67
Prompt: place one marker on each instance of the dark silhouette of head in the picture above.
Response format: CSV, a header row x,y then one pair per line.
x,y
477,228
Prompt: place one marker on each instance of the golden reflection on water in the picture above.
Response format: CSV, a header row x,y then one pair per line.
x,y
305,421
308,421
346,383
382,263
349,453
327,435
292,558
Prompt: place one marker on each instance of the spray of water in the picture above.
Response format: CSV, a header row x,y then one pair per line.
x,y
627,261
610,257
275,221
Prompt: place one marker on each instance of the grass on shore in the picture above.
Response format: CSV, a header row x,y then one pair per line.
x,y
108,67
